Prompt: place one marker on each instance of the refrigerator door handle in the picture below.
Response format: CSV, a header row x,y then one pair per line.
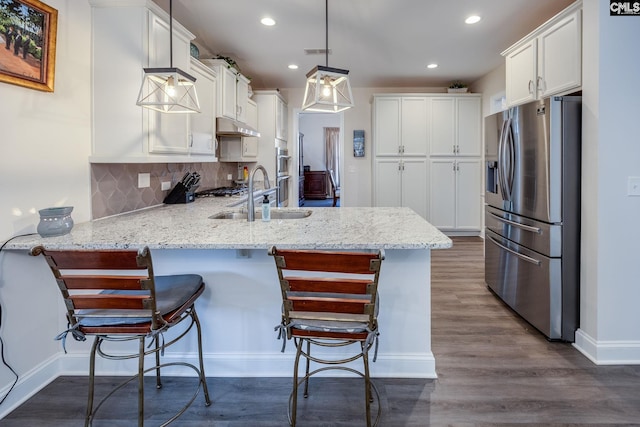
x,y
501,165
536,230
519,255
509,149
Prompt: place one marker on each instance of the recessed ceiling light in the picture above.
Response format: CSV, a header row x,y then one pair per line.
x,y
293,67
432,66
472,19
269,22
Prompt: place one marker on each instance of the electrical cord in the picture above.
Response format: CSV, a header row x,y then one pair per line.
x,y
2,358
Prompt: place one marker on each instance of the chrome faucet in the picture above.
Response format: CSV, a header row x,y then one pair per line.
x,y
251,214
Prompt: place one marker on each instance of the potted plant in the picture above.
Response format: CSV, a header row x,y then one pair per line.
x,y
457,87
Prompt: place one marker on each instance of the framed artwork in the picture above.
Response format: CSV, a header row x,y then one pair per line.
x,y
28,43
358,143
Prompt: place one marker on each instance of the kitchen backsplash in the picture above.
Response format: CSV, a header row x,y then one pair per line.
x,y
114,186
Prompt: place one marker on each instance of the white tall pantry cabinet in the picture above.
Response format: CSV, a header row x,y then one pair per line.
x,y
427,156
400,147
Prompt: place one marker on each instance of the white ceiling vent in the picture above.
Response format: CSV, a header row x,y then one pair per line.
x,y
316,51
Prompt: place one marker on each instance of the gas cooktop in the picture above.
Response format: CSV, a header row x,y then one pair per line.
x,y
221,192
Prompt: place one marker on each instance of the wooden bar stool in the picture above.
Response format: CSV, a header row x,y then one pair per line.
x,y
114,296
330,299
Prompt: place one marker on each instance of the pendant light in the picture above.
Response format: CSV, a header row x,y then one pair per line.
x,y
169,90
327,89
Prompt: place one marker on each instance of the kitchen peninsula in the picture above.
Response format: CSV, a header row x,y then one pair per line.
x,y
241,304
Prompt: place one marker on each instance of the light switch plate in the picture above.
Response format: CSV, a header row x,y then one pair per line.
x,y
144,180
633,187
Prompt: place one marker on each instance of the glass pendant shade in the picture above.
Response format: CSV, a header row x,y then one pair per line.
x,y
168,90
327,90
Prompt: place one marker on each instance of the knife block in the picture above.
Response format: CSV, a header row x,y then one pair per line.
x,y
179,194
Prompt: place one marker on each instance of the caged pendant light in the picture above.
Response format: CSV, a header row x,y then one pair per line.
x,y
327,89
169,90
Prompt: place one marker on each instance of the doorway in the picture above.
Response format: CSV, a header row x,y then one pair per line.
x,y
316,157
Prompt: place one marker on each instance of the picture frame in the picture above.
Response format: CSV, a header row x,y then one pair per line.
x,y
31,61
358,143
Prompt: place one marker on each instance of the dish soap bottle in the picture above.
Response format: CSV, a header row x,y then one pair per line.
x,y
266,209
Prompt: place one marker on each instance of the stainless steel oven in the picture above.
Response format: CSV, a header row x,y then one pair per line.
x,y
282,193
282,173
282,161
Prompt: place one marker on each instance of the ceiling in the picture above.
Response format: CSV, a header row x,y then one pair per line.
x,y
384,43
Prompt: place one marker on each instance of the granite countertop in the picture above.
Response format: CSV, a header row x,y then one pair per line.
x,y
188,226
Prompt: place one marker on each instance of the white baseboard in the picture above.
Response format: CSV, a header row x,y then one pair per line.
x,y
607,352
29,384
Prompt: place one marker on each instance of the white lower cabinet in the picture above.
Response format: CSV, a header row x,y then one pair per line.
x,y
455,194
401,182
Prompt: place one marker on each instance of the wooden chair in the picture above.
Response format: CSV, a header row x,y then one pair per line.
x,y
114,296
335,191
330,299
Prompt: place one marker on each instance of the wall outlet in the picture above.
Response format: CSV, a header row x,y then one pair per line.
x,y
144,180
633,186
229,176
165,185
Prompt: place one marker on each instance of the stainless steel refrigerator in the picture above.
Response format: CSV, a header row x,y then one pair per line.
x,y
532,212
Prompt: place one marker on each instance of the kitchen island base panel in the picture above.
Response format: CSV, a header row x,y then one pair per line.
x,y
239,310
242,304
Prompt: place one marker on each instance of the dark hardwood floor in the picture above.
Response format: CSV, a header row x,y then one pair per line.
x,y
493,369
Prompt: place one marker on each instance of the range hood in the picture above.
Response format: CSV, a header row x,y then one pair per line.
x,y
228,127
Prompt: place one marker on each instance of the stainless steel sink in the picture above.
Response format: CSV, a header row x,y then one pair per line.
x,y
275,214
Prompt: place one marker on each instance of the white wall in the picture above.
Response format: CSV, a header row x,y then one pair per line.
x,y
46,137
45,145
610,317
312,126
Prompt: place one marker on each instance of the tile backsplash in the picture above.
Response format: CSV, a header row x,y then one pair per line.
x,y
114,186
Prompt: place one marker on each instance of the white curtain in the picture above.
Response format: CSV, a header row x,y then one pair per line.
x,y
332,151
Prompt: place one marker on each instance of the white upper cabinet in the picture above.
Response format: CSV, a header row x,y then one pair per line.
x,y
127,36
281,119
168,133
242,98
203,125
456,122
401,125
548,61
233,90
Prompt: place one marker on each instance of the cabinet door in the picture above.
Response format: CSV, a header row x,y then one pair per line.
x,y
442,192
387,126
442,126
242,98
388,183
521,66
168,133
250,144
560,56
227,93
414,120
468,127
468,195
203,125
281,119
414,185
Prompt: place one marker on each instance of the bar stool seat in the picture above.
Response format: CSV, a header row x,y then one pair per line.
x,y
114,296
